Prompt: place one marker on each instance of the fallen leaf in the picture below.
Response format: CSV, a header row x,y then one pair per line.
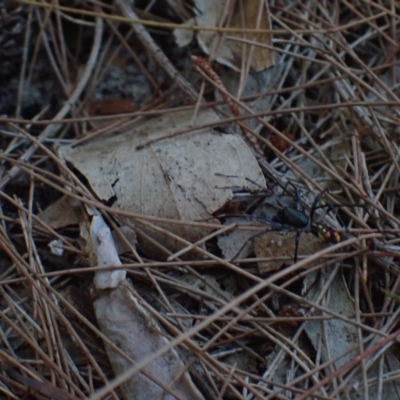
x,y
128,234
337,151
250,14
277,244
121,317
237,244
61,213
333,337
126,322
186,177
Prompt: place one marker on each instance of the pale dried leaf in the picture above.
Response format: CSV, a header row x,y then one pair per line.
x,y
105,253
56,247
120,244
237,243
380,387
340,335
61,213
337,152
256,86
124,321
121,318
223,48
194,281
187,177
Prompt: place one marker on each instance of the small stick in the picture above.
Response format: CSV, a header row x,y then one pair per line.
x,y
203,64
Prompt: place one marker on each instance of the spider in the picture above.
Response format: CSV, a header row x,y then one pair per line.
x,y
298,219
295,218
291,218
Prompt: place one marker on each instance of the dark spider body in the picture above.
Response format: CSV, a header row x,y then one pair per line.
x,y
298,219
305,223
290,217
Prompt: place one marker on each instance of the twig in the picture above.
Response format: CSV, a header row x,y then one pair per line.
x,y
157,53
50,130
207,69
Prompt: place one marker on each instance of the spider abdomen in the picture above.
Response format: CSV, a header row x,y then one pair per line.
x,y
293,217
326,233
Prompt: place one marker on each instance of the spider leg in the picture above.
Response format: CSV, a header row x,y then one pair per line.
x,y
334,208
270,226
296,192
296,248
314,206
251,238
320,230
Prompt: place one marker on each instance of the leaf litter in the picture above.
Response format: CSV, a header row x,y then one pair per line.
x,y
158,179
80,321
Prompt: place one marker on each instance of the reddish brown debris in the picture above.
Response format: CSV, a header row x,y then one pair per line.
x,y
111,107
280,143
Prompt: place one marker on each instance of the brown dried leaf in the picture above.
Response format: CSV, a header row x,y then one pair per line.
x,y
276,244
